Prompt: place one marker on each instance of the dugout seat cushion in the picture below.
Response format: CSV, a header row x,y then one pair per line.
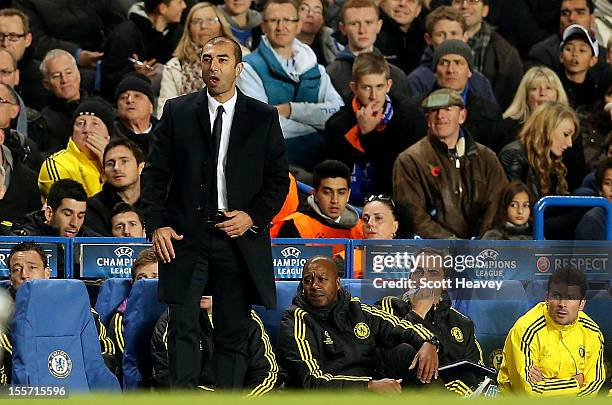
x,y
111,295
55,338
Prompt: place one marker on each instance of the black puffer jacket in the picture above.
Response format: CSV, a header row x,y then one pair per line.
x,y
33,224
262,372
337,347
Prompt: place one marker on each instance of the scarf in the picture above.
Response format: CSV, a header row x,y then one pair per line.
x,y
352,136
191,77
479,44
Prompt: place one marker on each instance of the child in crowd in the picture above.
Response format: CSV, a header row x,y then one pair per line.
x,y
579,53
512,220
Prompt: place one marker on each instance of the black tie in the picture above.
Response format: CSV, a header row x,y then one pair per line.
x,y
216,135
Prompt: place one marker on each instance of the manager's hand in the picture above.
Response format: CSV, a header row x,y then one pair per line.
x,y
162,243
237,224
427,359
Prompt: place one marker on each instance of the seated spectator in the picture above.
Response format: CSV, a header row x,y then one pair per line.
x,y
596,128
63,214
10,77
135,105
262,371
127,222
326,213
401,36
360,22
79,28
61,77
453,65
513,218
143,43
592,226
452,198
183,73
578,56
144,267
432,308
284,72
369,349
245,23
374,128
315,34
82,159
533,362
123,164
20,189
493,55
15,26
442,24
547,51
28,261
536,160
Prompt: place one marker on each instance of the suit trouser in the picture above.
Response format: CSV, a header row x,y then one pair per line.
x,y
220,269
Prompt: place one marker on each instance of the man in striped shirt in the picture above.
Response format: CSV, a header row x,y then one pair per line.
x,y
555,349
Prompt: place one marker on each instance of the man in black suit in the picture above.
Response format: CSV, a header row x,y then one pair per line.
x,y
217,174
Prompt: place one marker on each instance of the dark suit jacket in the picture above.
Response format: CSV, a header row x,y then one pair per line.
x,y
176,179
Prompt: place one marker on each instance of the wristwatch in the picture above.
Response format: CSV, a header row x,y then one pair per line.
x,y
434,341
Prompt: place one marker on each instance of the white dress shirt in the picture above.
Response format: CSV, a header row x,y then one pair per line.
x,y
228,116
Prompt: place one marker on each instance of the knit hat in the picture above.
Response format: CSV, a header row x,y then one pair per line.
x,y
97,107
453,46
578,31
136,82
442,98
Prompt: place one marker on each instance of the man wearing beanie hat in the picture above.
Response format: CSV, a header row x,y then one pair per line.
x,y
135,101
453,65
81,161
447,180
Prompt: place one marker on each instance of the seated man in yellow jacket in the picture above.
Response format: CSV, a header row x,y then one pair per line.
x,y
92,123
555,349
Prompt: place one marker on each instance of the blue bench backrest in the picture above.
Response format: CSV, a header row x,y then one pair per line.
x,y
111,295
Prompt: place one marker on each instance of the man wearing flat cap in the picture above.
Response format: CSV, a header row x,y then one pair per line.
x,y
447,180
135,100
81,161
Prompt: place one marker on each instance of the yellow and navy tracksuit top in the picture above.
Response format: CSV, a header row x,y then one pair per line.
x,y
70,163
339,349
559,351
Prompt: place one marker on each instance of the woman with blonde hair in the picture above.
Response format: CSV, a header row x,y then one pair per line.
x,y
536,157
183,73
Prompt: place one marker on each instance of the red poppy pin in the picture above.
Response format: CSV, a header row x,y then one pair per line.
x,y
436,170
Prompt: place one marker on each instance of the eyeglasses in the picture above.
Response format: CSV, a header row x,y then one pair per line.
x,y
203,22
305,8
283,21
470,2
12,36
5,101
380,197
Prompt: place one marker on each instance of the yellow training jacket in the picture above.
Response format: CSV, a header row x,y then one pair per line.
x,y
70,163
560,351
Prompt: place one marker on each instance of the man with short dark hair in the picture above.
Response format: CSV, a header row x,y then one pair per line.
x,y
329,339
447,180
126,221
374,127
327,213
135,119
555,349
63,214
28,261
123,164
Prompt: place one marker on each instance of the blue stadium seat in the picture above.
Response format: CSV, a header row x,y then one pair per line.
x,y
142,312
536,291
112,293
55,338
285,291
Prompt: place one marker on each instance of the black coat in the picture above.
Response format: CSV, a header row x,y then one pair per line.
x,y
403,49
22,195
381,148
99,208
69,24
135,36
175,185
33,224
57,126
30,85
142,140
